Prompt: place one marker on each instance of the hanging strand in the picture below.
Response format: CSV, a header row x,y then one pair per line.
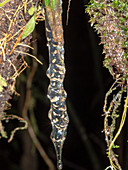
x,y
56,73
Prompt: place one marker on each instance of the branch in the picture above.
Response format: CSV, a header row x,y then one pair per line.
x,y
25,116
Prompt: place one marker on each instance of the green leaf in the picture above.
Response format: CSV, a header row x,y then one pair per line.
x,y
29,27
50,3
2,83
116,3
4,2
115,146
31,10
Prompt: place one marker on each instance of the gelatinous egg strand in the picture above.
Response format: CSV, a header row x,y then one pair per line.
x,y
56,72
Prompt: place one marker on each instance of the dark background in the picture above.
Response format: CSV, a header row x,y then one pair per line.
x,y
86,83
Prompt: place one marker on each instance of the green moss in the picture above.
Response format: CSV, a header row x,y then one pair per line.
x,y
109,18
50,3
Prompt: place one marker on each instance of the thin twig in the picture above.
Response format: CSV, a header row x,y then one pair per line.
x,y
69,2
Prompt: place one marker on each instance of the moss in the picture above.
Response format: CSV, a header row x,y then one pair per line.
x,y
110,21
